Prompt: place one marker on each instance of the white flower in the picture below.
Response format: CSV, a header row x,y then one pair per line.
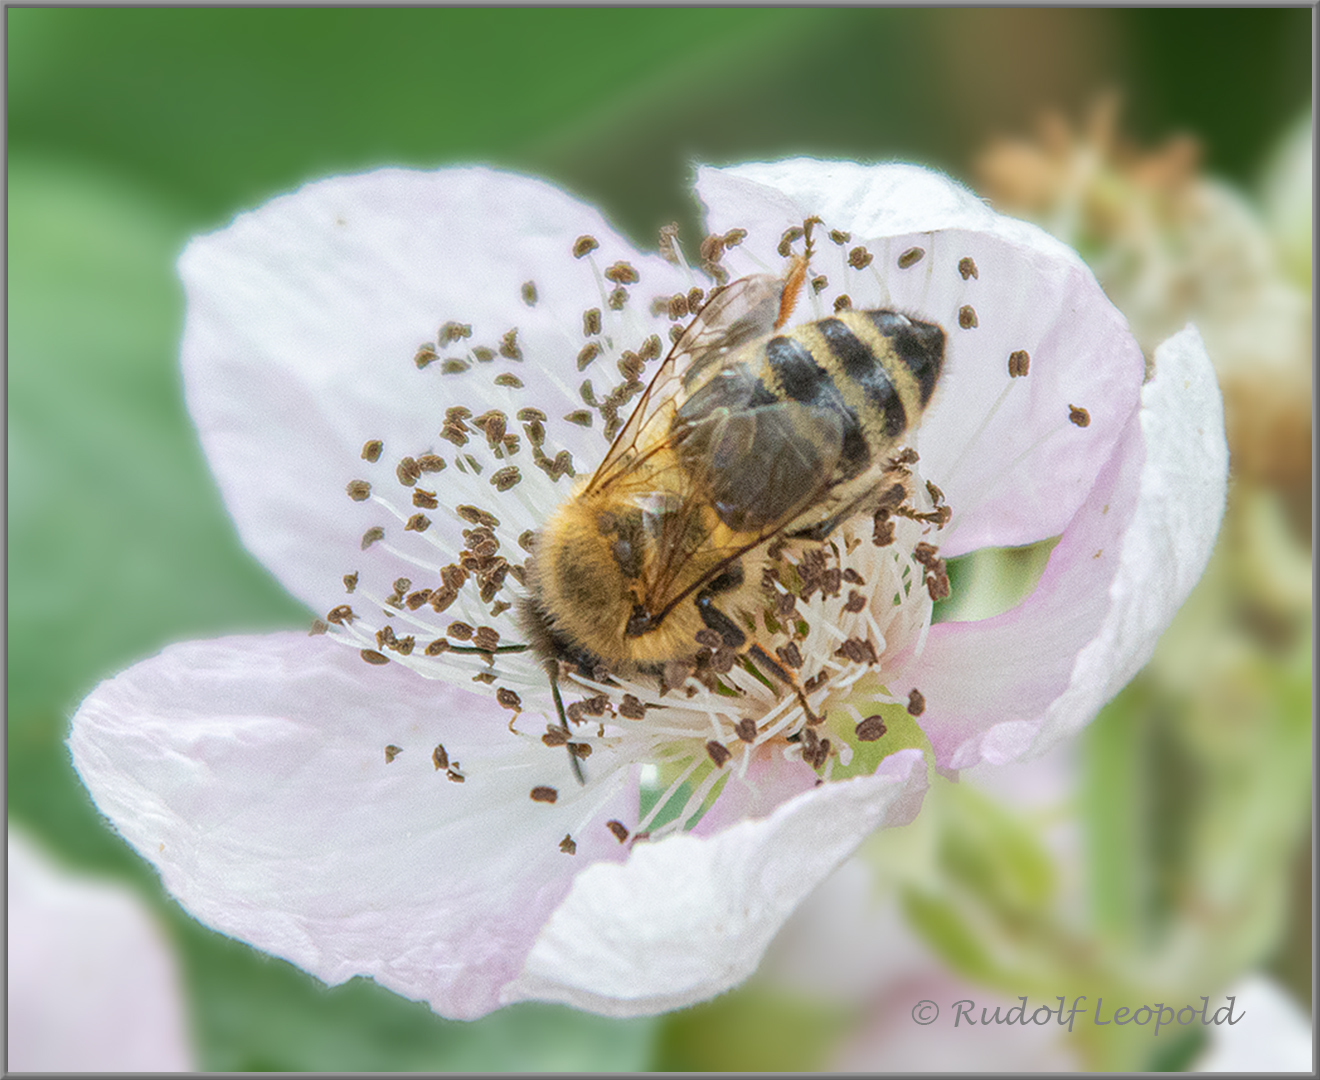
x,y
93,984
401,820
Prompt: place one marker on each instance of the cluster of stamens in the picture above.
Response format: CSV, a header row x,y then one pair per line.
x,y
839,617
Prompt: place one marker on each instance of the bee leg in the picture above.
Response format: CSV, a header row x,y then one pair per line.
x,y
714,618
553,670
772,667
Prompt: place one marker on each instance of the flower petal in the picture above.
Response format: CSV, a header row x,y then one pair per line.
x,y
86,956
1012,463
1002,688
690,917
304,318
252,772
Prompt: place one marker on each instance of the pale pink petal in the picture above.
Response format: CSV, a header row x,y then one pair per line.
x,y
1000,688
93,983
252,773
304,318
1003,450
690,917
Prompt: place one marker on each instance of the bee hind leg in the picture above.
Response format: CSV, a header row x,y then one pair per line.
x,y
772,667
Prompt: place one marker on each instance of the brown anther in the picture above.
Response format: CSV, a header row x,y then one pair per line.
x,y
906,456
853,577
371,536
371,656
417,599
1078,415
460,631
483,354
442,598
509,345
723,659
350,581
630,365
568,845
911,257
430,463
746,729
842,302
318,628
544,794
677,307
440,758
651,348
630,708
424,500
712,249
417,523
618,298
404,646
487,637
555,735
425,355
859,258
529,293
675,332
485,678
819,283
871,729
718,753
790,655
967,317
785,605
408,471
858,650
589,352
505,478
340,615
856,601
391,752
694,299
831,581
454,366
454,433
967,268
619,829
1019,363
371,450
839,237
916,703
622,273
456,777
791,235
509,380
580,750
591,322
453,331
475,516
734,237
584,245
385,636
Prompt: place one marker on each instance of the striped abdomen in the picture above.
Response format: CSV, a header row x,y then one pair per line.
x,y
794,423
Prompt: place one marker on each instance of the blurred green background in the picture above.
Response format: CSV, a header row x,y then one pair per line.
x,y
131,130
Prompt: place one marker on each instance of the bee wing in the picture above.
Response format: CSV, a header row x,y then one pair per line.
x,y
760,468
743,311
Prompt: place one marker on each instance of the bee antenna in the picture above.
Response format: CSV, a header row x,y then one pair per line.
x,y
552,669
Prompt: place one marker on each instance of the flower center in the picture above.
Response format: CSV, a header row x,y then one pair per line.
x,y
836,622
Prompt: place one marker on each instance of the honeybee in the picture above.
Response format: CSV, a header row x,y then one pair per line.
x,y
745,435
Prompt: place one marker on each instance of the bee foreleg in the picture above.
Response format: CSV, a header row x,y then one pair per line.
x,y
772,667
714,618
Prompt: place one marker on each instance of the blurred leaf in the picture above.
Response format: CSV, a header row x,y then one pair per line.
x,y
752,1029
254,1013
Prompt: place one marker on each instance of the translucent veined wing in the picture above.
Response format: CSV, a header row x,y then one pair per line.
x,y
743,311
759,468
